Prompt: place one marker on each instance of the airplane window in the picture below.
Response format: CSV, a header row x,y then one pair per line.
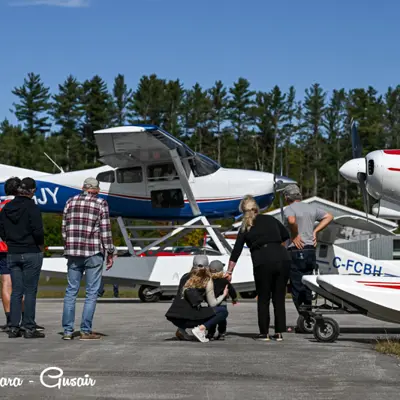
x,y
202,165
172,198
162,172
130,175
108,177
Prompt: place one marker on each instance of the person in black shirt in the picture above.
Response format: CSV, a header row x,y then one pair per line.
x,y
21,227
220,283
265,236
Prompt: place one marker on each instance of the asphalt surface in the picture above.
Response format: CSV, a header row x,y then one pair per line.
x,y
140,359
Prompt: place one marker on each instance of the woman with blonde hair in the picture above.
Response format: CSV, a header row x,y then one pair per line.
x,y
265,236
195,305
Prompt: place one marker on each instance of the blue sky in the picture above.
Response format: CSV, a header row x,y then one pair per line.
x,y
338,43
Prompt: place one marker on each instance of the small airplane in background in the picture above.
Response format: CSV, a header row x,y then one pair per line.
x,y
378,175
151,175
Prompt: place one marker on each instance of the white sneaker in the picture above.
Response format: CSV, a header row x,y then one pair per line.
x,y
200,335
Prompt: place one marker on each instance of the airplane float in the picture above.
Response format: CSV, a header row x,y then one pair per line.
x,y
376,295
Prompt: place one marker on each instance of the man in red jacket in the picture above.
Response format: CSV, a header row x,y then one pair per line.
x,y
10,189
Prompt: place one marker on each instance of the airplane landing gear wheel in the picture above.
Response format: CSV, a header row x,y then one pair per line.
x,y
326,330
147,297
305,325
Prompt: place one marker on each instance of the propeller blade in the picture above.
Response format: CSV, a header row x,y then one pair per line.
x,y
361,179
281,205
355,141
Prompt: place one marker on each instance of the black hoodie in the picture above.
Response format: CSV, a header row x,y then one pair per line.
x,y
21,226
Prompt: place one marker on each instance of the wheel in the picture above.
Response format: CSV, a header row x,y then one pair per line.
x,y
248,295
327,330
146,297
305,325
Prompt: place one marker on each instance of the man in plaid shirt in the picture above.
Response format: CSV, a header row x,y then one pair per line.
x,y
86,231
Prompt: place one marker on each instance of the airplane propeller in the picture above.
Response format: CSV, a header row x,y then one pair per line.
x,y
361,176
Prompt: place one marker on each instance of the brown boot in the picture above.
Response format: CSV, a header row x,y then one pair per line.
x,y
90,336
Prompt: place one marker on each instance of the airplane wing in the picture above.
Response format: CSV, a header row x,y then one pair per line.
x,y
123,146
362,224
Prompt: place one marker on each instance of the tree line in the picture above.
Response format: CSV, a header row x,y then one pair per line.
x,y
238,126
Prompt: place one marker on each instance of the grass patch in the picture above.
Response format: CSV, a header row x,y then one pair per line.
x,y
388,346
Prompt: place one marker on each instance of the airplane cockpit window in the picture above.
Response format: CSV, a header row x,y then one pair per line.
x,y
107,177
165,172
130,175
202,165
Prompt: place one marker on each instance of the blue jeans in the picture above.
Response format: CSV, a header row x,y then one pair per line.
x,y
93,268
222,325
25,274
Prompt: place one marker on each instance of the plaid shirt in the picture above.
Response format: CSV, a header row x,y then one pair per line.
x,y
86,227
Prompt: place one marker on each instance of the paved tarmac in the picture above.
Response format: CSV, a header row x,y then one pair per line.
x,y
140,359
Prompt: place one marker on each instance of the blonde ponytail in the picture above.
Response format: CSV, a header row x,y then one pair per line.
x,y
249,208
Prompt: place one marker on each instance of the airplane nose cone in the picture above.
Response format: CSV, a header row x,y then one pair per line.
x,y
285,180
350,169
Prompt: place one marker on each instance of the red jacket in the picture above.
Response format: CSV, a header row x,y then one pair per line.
x,y
3,246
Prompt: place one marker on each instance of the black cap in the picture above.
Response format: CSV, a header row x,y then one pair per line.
x,y
28,184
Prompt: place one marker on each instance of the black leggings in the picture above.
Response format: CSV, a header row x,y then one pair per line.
x,y
271,280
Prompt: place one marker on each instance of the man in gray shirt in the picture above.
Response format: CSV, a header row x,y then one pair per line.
x,y
300,218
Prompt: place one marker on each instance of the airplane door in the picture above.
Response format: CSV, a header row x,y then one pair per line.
x,y
164,187
128,182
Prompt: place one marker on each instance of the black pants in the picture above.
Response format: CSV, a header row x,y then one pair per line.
x,y
271,280
303,263
25,273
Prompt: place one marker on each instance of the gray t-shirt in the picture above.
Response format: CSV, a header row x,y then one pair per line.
x,y
306,216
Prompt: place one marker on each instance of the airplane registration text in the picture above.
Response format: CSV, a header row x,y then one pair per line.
x,y
357,266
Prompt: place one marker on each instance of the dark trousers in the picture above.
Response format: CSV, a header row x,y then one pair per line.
x,y
303,263
271,280
221,314
25,273
221,326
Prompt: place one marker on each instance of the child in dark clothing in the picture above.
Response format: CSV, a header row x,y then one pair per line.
x,y
216,269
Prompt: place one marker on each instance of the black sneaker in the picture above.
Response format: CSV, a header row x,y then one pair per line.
x,y
14,333
221,336
34,335
278,337
263,338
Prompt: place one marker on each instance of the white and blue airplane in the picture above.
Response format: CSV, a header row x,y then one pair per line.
x,y
151,175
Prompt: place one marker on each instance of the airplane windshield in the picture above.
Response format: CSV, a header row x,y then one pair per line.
x,y
202,165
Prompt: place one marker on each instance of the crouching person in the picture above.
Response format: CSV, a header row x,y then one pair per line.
x,y
195,306
220,283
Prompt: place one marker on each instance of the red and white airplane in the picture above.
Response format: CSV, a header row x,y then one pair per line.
x,y
378,175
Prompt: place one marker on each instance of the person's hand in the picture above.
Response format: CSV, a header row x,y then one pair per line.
x,y
228,277
226,291
110,261
298,242
234,302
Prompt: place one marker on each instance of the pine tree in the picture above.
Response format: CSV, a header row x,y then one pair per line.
x,y
219,112
33,106
392,117
314,109
240,116
173,101
121,99
97,109
67,113
147,102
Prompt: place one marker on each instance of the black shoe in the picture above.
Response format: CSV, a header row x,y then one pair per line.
x,y
221,336
263,338
5,328
14,333
39,328
278,337
35,334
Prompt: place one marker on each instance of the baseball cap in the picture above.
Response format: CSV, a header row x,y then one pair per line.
x,y
28,184
291,190
201,260
217,265
91,183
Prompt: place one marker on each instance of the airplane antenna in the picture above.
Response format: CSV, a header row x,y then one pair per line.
x,y
57,166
